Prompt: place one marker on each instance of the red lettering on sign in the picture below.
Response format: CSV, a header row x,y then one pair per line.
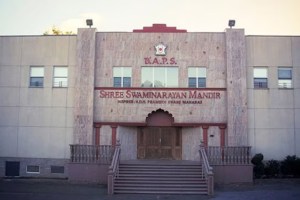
x,y
164,60
147,60
172,61
159,61
155,61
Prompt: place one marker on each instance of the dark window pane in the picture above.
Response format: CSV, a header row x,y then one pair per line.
x,y
117,82
201,82
192,82
36,81
58,169
260,83
126,81
284,74
12,168
33,169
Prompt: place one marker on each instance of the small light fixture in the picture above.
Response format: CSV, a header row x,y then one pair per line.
x,y
89,22
231,23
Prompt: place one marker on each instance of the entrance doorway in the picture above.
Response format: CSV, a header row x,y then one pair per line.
x,y
159,143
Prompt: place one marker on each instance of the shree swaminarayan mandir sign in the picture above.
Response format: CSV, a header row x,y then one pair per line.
x,y
162,96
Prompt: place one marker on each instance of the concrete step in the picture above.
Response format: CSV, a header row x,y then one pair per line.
x,y
159,192
160,177
156,181
159,166
160,185
161,172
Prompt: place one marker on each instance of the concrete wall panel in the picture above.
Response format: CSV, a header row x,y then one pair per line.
x,y
36,97
70,100
9,141
10,76
9,96
46,50
9,116
10,50
69,117
24,76
296,75
261,98
61,50
34,142
72,51
59,97
251,140
35,116
275,143
58,117
274,118
68,141
281,98
297,141
297,118
38,50
297,97
268,51
57,146
296,51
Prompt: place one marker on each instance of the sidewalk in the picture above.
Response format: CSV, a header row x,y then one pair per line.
x,y
29,189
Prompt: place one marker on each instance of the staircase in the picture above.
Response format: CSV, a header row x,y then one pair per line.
x,y
160,177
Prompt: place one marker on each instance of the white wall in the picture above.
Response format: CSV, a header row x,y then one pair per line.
x,y
273,113
35,122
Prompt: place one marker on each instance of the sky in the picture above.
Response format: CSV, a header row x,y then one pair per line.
x,y
257,17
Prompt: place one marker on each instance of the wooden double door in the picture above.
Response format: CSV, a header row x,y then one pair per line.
x,y
159,143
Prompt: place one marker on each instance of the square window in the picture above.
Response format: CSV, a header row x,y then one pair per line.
x,y
197,77
36,76
122,76
260,77
285,77
60,76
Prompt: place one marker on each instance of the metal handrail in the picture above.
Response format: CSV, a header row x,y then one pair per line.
x,y
113,170
207,170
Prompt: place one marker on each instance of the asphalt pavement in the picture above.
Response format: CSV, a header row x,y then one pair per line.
x,y
39,189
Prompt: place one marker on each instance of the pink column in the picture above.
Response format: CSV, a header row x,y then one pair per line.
x,y
205,135
114,134
97,134
222,139
222,133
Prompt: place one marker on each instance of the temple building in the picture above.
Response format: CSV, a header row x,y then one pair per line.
x,y
157,93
